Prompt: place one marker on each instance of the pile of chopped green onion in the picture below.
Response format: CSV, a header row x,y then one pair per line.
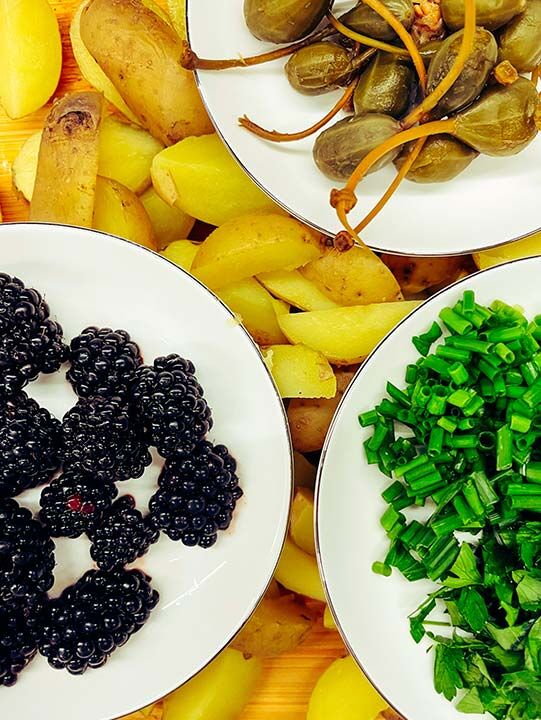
x,y
463,439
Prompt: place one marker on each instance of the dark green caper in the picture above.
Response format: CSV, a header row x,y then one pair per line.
x,y
386,86
520,40
284,21
319,68
428,50
339,149
473,77
491,14
502,121
442,158
366,21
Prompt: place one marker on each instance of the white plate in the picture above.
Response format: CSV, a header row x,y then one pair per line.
x,y
495,200
205,595
372,611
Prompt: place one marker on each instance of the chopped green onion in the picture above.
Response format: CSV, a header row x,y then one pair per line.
x,y
455,322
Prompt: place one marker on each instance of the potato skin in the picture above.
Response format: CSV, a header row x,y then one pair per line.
x,y
415,274
140,53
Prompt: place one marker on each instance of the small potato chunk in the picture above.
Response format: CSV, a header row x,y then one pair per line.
x,y
295,289
219,692
416,274
168,223
299,371
140,54
199,176
302,521
328,620
182,253
512,251
30,55
25,166
297,571
278,626
344,693
177,11
345,335
354,277
118,211
251,244
305,472
68,161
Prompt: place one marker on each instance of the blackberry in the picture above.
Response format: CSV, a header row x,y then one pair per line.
x,y
29,445
197,495
170,403
101,435
94,617
74,502
103,362
17,644
26,553
122,536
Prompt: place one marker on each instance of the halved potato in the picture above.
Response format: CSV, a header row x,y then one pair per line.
x,y
168,222
302,520
182,253
118,211
295,289
297,571
299,371
527,247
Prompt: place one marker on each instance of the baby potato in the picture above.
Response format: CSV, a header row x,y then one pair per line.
x,y
297,571
140,54
299,371
354,277
527,247
182,253
295,289
302,521
118,211
415,274
168,222
219,692
25,166
30,55
199,176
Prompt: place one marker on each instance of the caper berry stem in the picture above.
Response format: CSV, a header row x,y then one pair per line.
x,y
364,39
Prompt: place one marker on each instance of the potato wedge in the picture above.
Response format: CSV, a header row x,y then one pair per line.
x,y
140,54
354,277
251,244
305,472
30,55
527,247
302,521
299,371
295,289
168,223
118,211
278,626
68,161
415,274
328,620
199,176
182,253
177,11
256,309
219,692
297,571
25,166
345,335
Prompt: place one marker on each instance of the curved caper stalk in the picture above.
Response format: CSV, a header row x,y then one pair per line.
x,y
364,39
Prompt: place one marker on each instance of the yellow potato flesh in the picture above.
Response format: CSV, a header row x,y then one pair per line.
x,y
168,223
345,335
512,251
219,692
252,244
118,211
328,620
302,521
182,253
256,309
199,176
344,693
297,571
295,289
177,11
25,166
299,371
305,472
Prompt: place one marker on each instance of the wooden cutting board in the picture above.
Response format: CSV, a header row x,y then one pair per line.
x,y
288,681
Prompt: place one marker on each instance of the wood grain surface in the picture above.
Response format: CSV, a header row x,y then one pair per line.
x,y
287,682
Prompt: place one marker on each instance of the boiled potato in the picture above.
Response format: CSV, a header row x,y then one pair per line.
x,y
199,176
177,11
118,211
151,712
25,166
295,289
277,626
256,308
68,161
299,371
345,335
527,247
140,54
168,222
30,55
305,472
251,244
354,277
328,620
302,521
344,693
219,692
416,274
182,253
297,571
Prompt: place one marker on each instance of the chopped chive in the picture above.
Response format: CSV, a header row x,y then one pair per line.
x,y
454,322
415,463
533,471
435,442
368,418
460,398
463,441
504,448
412,372
520,424
472,344
371,455
437,365
393,492
458,373
467,423
468,301
506,354
529,372
422,347
378,438
453,353
398,395
448,424
505,334
380,568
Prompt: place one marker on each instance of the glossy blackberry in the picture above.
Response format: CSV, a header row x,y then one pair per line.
x,y
29,445
101,435
197,495
73,503
103,362
122,536
170,404
26,553
17,643
94,617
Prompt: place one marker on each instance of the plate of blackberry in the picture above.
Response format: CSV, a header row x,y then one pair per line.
x,y
133,520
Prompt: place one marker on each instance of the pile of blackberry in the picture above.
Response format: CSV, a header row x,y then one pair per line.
x,y
18,644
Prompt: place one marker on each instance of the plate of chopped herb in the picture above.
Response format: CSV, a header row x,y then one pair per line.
x,y
429,504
